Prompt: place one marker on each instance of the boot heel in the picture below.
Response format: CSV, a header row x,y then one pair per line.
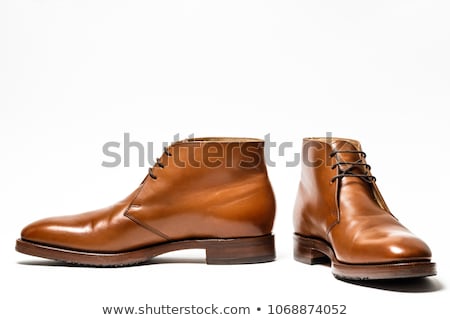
x,y
304,252
241,250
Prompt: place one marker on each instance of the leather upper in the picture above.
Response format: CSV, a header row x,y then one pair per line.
x,y
202,188
349,212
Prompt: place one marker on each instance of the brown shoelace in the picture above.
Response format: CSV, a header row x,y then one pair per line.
x,y
348,172
159,164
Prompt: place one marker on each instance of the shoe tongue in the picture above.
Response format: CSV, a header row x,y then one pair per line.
x,y
355,194
352,156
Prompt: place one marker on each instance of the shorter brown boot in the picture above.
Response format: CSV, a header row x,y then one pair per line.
x,y
210,193
341,216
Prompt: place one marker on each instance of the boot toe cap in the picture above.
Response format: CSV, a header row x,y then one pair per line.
x,y
387,249
407,248
46,231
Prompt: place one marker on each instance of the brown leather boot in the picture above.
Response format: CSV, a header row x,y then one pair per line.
x,y
341,216
209,193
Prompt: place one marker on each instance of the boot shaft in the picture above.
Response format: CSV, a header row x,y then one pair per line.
x,y
220,183
334,173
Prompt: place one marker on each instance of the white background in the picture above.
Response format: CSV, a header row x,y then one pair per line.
x,y
77,74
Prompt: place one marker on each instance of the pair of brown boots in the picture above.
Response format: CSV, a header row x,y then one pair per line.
x,y
214,194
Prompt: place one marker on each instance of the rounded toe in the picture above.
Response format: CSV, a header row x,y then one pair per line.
x,y
381,246
41,231
407,248
392,249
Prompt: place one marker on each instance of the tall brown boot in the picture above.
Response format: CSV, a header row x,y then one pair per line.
x,y
210,193
341,216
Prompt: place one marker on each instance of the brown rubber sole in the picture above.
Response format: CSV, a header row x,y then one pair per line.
x,y
218,251
315,251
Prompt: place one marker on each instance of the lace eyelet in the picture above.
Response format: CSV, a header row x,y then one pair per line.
x,y
166,151
348,171
158,164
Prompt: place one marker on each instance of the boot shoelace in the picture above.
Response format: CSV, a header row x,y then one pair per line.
x,y
159,164
352,165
